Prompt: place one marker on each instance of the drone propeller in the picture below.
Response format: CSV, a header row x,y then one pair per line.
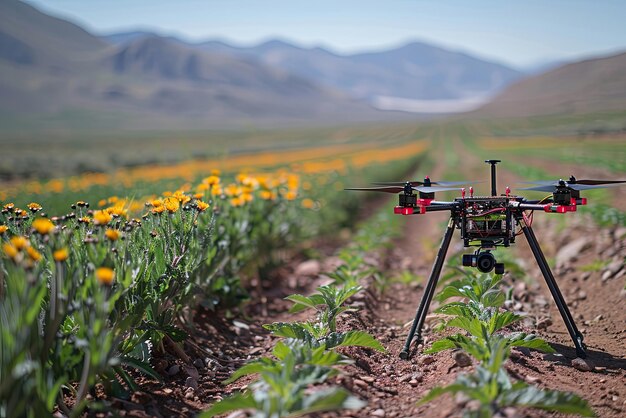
x,y
573,184
430,189
552,187
421,183
388,189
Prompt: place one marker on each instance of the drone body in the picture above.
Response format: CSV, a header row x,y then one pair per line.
x,y
487,222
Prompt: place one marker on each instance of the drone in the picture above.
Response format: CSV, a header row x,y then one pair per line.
x,y
488,222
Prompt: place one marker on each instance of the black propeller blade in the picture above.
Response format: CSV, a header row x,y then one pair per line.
x,y
552,187
431,189
574,181
421,183
388,189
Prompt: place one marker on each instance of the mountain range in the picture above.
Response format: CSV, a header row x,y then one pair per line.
x,y
55,74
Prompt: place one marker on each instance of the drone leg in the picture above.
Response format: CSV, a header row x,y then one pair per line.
x,y
576,336
420,316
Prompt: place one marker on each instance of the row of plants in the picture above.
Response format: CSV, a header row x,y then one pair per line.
x,y
477,310
87,296
306,355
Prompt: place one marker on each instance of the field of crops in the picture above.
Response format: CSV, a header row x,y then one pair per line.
x,y
103,276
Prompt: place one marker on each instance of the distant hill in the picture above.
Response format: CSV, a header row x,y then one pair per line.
x,y
414,71
55,74
592,85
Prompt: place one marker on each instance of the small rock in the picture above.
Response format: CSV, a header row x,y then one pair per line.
x,y
256,350
582,295
404,378
572,250
413,382
198,363
191,383
582,364
173,370
368,379
360,383
428,360
598,318
167,391
417,376
190,393
378,413
309,268
462,359
532,379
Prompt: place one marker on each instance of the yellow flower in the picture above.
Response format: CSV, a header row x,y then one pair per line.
x,y
34,207
233,190
216,191
33,254
181,196
20,242
158,209
198,196
102,202
291,195
216,172
112,234
247,197
268,195
236,201
105,276
84,220
3,229
60,255
101,217
9,206
116,211
10,250
211,180
202,187
156,203
171,204
21,213
308,203
43,226
202,206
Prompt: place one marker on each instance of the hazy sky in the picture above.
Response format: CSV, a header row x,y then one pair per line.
x,y
518,32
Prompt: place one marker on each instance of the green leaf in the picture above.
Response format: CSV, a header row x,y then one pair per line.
x,y
140,366
441,345
329,399
255,367
232,403
353,338
521,339
302,302
500,320
550,400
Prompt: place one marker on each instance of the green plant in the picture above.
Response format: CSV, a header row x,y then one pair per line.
x,y
493,389
281,390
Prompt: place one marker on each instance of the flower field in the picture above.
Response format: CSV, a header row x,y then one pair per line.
x,y
89,293
103,277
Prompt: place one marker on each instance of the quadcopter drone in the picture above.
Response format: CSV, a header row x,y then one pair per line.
x,y
487,222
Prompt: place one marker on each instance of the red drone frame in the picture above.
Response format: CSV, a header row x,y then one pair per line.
x,y
487,222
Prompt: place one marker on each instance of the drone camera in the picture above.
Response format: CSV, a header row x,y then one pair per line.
x,y
484,262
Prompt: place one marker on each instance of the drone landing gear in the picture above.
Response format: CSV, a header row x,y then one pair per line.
x,y
422,311
420,316
576,335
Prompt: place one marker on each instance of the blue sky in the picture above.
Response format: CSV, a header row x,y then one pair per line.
x,y
520,33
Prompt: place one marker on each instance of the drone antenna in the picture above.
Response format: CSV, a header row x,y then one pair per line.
x,y
493,175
